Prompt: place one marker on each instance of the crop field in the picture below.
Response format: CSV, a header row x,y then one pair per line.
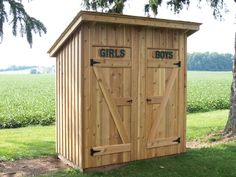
x,y
30,99
26,100
208,91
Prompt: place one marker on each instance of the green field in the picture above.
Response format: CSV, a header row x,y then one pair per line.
x,y
26,99
30,99
208,91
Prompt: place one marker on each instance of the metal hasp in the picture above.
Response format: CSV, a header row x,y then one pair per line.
x,y
178,64
177,140
92,151
93,62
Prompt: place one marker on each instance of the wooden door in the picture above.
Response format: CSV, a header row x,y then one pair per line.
x,y
162,83
111,103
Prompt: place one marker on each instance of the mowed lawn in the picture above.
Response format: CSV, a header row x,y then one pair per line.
x,y
217,161
35,141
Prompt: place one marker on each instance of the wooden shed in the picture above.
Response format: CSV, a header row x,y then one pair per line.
x,y
120,88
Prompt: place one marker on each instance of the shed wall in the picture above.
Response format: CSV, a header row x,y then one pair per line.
x,y
68,100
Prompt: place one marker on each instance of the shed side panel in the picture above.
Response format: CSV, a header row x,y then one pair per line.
x,y
68,101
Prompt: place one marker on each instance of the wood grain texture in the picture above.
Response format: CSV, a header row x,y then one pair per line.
x,y
125,108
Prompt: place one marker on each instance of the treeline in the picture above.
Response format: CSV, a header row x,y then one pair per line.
x,y
210,61
17,68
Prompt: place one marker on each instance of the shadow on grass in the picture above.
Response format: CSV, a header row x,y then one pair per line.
x,y
218,161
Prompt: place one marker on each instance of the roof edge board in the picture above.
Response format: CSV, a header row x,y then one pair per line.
x,y
190,27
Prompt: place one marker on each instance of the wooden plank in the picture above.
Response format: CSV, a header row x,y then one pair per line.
x,y
112,107
162,107
162,63
61,104
101,39
152,53
141,92
134,82
150,113
80,105
116,47
113,63
123,101
69,102
182,92
154,99
58,104
111,149
73,121
88,160
127,87
64,104
163,142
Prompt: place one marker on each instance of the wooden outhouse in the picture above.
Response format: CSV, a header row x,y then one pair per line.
x,y
120,88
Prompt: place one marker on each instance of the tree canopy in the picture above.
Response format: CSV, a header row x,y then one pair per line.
x,y
176,6
13,11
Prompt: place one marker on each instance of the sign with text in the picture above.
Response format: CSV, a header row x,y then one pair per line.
x,y
112,52
162,54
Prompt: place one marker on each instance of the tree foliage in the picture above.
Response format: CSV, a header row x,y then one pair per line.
x,y
113,6
20,20
176,6
210,61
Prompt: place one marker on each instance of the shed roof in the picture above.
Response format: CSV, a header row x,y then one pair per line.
x,y
82,16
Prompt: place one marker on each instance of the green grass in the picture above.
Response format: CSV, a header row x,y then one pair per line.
x,y
208,91
27,142
37,141
201,124
218,161
26,100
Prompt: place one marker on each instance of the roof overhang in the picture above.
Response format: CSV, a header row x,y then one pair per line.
x,y
86,16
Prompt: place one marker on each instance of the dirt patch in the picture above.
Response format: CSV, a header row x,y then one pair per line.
x,y
211,140
30,167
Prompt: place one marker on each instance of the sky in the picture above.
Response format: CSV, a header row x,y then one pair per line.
x,y
213,36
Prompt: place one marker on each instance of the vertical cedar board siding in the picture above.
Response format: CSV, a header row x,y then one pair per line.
x,y
97,34
68,90
82,123
101,34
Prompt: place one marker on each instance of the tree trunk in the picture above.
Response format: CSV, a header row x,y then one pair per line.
x,y
230,127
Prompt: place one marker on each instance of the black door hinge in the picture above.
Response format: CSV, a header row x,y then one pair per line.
x,y
92,151
177,140
178,64
93,62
